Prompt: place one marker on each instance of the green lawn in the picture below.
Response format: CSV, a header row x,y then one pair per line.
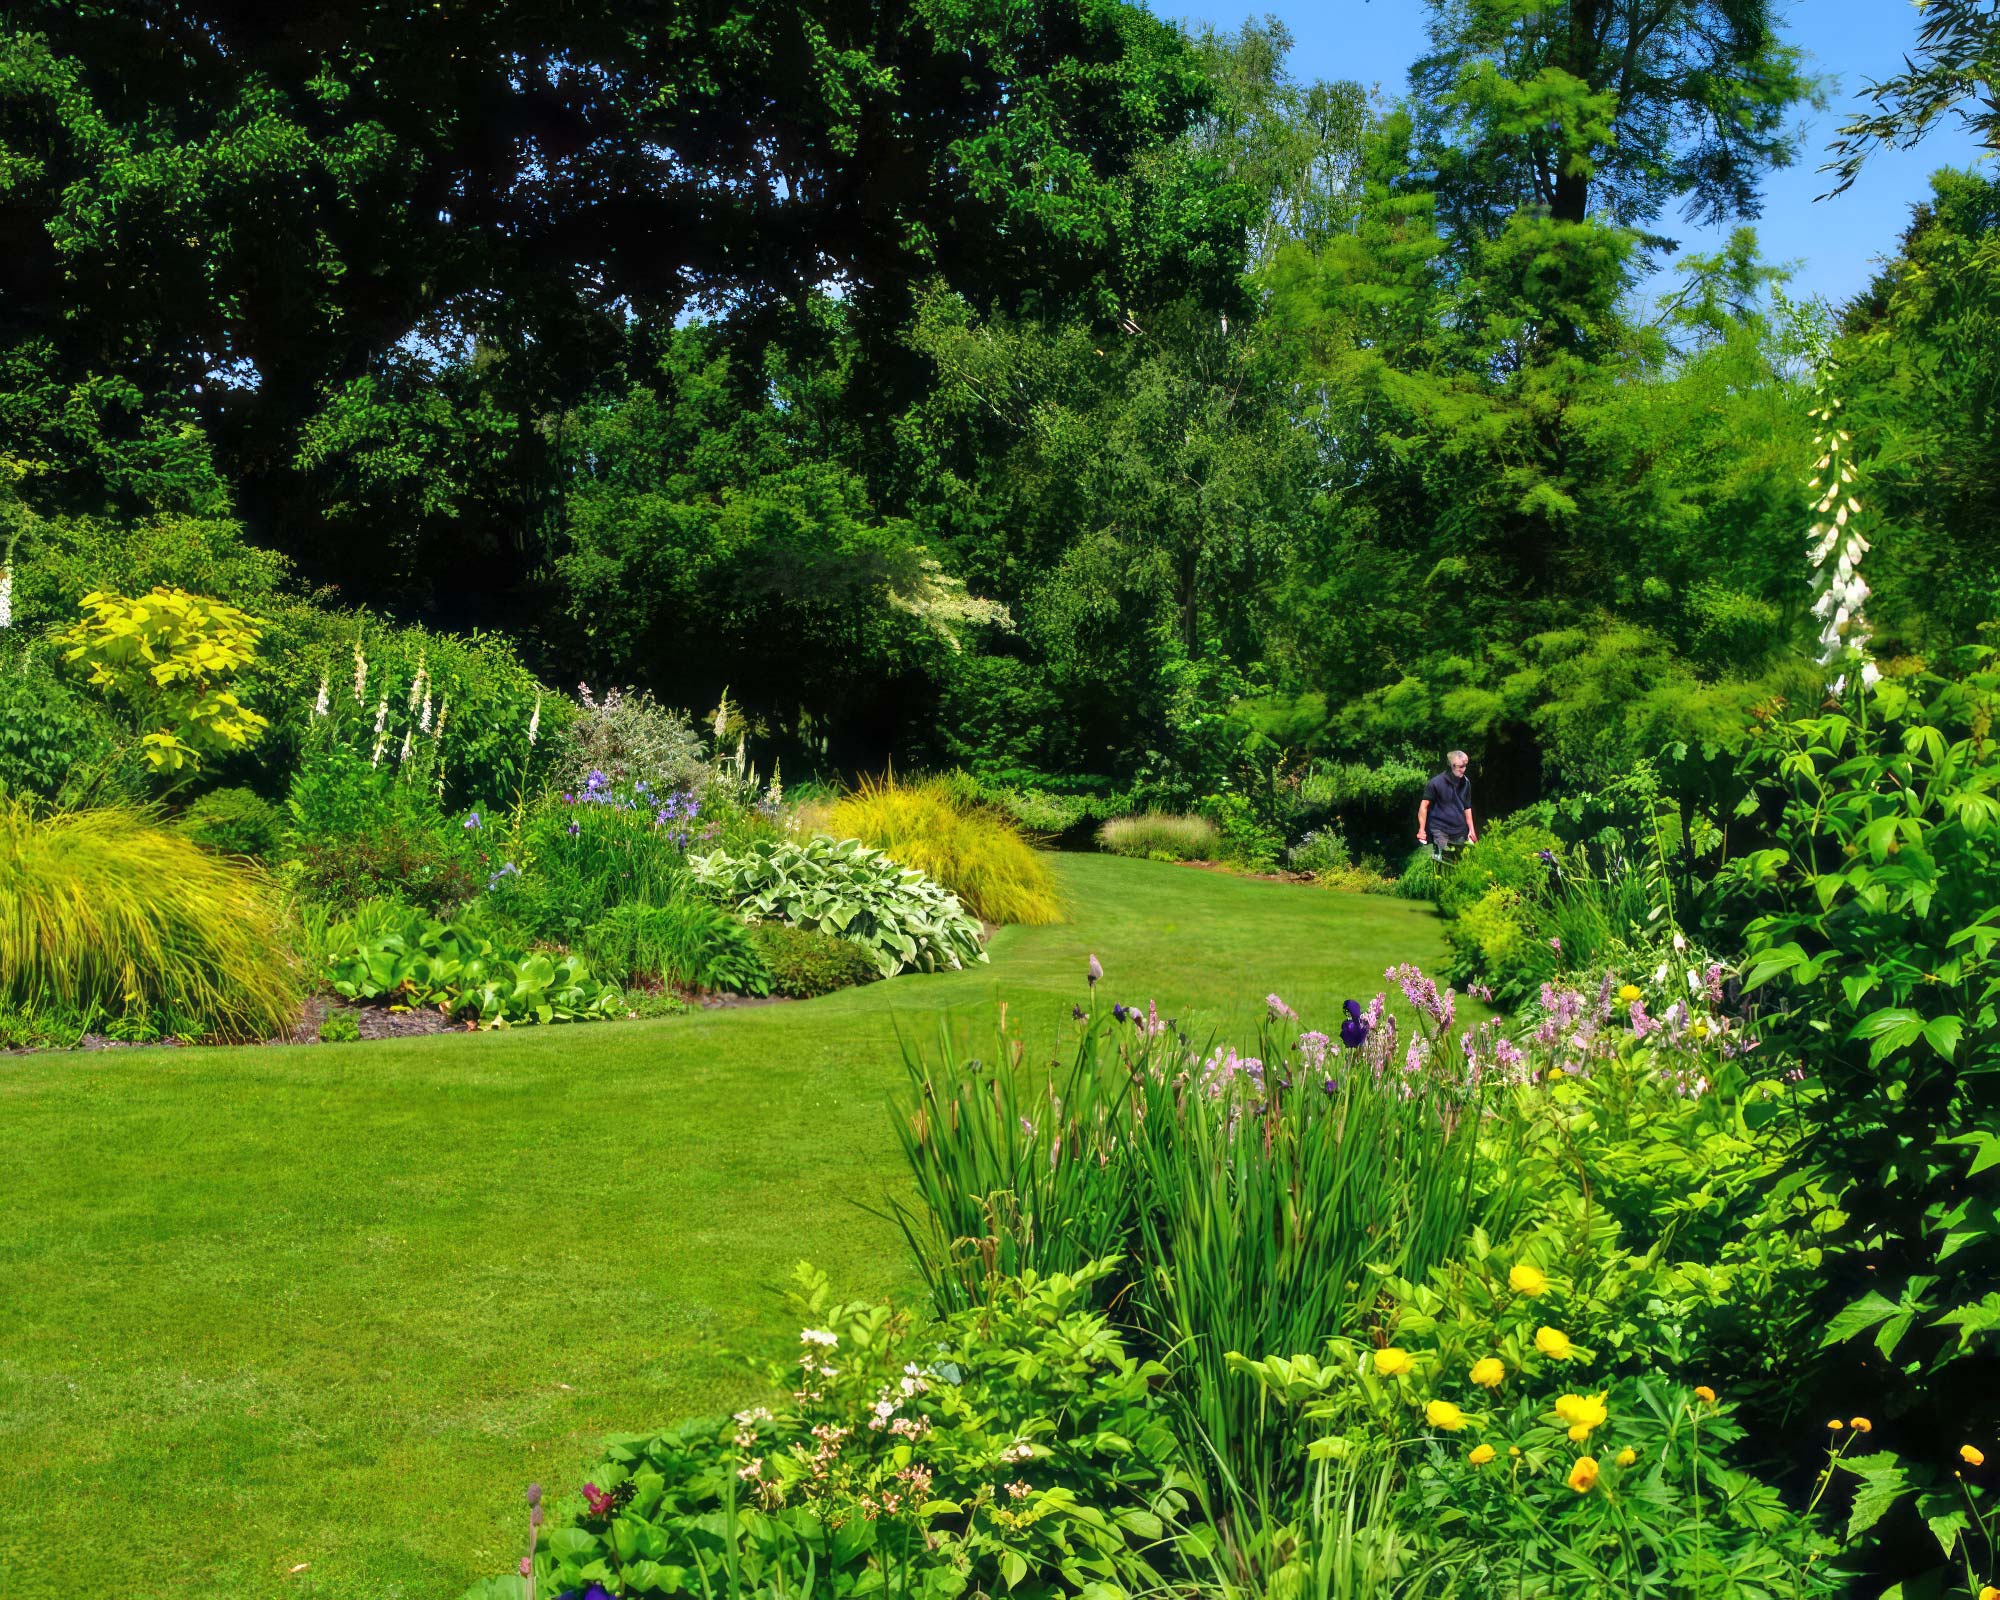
x,y
333,1307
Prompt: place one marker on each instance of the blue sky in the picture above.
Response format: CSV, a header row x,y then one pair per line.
x,y
1834,244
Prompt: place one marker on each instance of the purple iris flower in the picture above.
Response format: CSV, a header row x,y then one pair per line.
x,y
471,820
1354,1031
1122,1012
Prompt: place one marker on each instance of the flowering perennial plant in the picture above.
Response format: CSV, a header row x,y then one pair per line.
x,y
1016,1446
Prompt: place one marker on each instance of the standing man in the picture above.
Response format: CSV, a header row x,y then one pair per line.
x,y
1444,819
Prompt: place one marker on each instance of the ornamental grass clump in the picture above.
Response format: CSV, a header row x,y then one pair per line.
x,y
976,853
106,913
1162,836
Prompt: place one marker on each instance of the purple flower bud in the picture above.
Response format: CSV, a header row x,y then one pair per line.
x,y
1095,971
1354,1031
534,1494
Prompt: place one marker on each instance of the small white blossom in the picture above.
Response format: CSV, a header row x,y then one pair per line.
x,y
7,596
818,1336
535,721
321,704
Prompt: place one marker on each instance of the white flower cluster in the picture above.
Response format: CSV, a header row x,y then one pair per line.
x,y
7,596
1839,592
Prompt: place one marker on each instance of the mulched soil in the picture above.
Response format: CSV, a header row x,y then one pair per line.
x,y
1237,872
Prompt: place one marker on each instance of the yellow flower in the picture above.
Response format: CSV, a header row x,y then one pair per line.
x,y
1862,1425
1527,1280
1513,1450
1392,1362
1700,1028
1833,1426
1972,1457
1703,1393
1989,1593
1488,1372
1552,1342
1481,1455
1442,1414
1627,1456
1583,1476
1628,992
1583,1413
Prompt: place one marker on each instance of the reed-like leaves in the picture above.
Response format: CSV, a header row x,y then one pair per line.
x,y
1247,1200
106,913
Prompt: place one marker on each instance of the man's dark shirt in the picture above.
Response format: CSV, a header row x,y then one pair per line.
x,y
1449,798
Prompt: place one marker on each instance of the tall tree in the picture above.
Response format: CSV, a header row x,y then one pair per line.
x,y
242,209
1954,72
1611,108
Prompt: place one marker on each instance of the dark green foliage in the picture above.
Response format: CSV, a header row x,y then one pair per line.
x,y
234,822
50,735
805,963
688,944
1874,951
358,832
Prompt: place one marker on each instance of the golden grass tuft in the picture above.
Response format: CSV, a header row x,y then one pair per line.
x,y
1161,835
974,851
104,911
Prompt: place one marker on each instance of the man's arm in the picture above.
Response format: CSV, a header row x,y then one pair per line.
x,y
1423,818
1471,827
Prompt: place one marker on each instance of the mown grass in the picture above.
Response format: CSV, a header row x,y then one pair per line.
x,y
331,1307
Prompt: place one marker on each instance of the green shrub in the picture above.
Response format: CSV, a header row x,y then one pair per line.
x,y
948,835
359,832
107,913
340,1027
688,944
1873,931
1508,855
1161,836
49,734
1323,851
1247,839
392,953
1014,1446
1419,880
904,920
631,739
165,656
805,963
583,852
234,822
1491,936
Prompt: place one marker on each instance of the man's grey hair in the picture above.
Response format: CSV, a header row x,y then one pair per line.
x,y
1458,755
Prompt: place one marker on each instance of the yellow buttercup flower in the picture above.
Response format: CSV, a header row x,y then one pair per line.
x,y
1553,1343
1481,1455
1513,1450
1627,1456
1861,1425
1703,1393
1527,1280
1972,1457
1583,1476
1989,1593
1583,1413
1391,1362
1488,1373
1628,992
1442,1414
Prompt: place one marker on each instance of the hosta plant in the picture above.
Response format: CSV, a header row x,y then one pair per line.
x,y
396,954
905,920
